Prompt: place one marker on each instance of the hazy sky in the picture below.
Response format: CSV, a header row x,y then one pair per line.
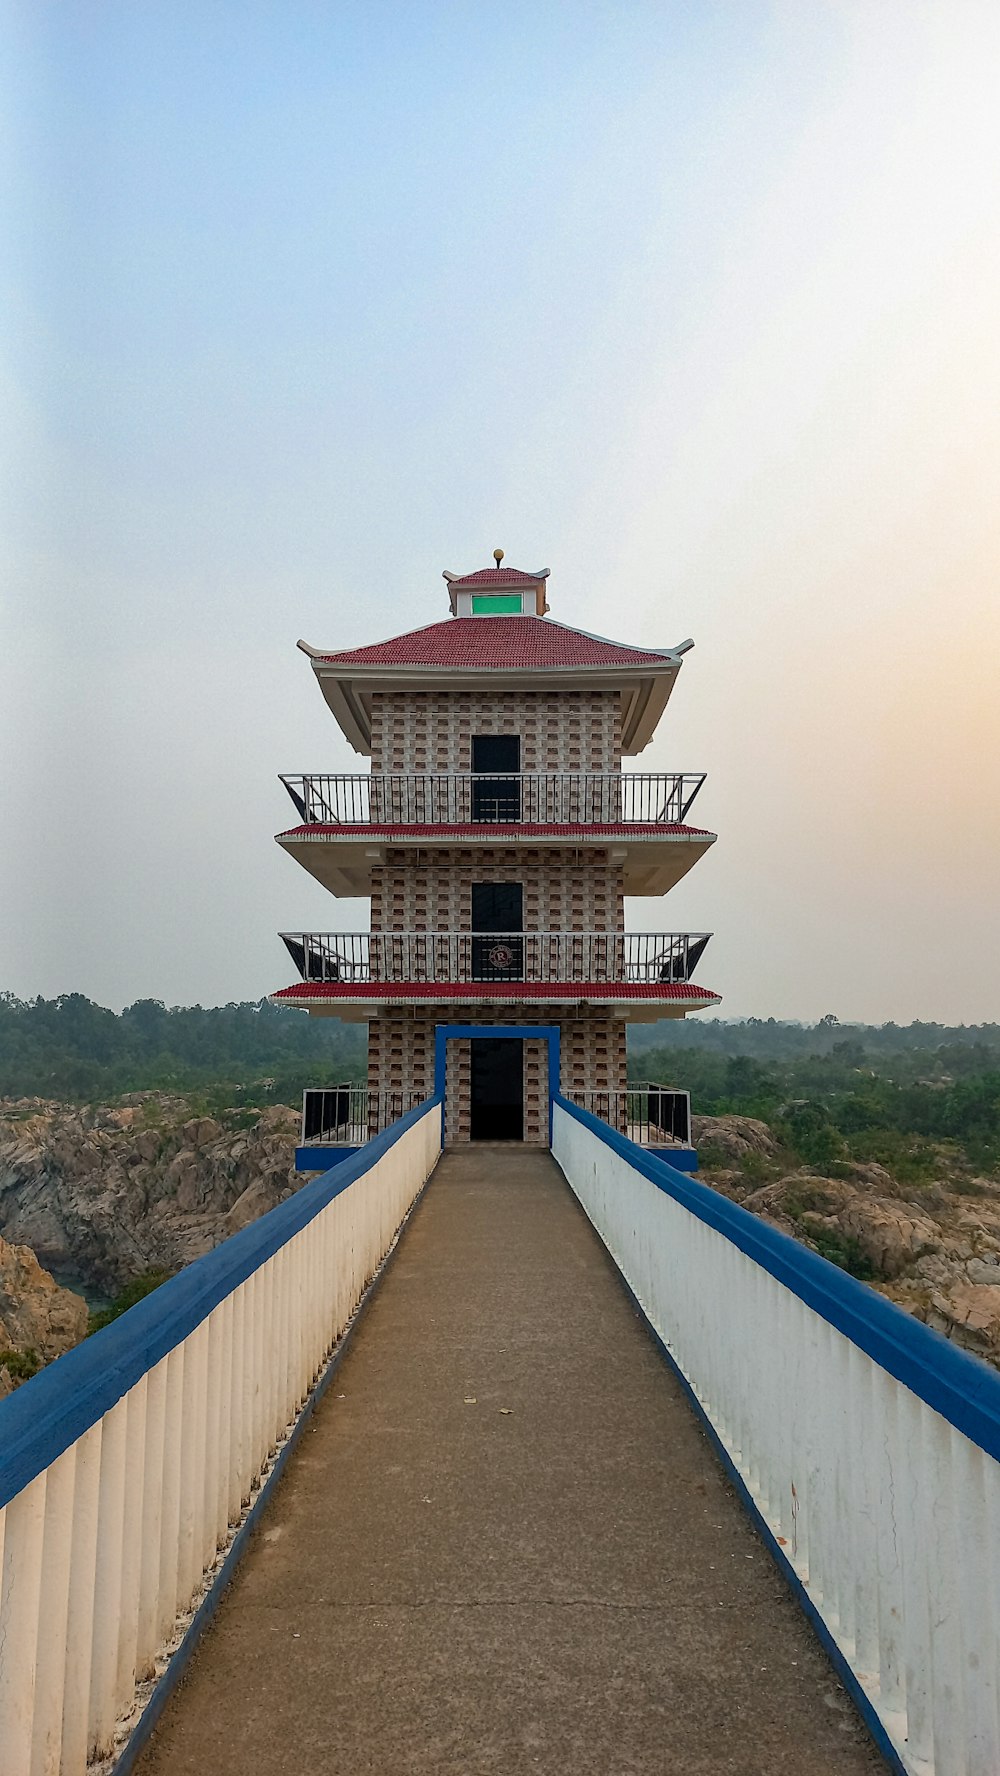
x,y
696,304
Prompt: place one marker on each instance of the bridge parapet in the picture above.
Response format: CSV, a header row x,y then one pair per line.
x,y
867,1445
126,1467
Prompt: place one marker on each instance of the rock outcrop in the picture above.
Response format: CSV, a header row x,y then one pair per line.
x,y
36,1315
731,1138
934,1249
102,1194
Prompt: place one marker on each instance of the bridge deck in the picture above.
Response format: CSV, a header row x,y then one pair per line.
x,y
503,1545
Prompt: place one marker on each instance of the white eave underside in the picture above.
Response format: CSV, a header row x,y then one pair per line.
x,y
644,691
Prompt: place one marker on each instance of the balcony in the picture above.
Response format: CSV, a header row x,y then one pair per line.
x,y
445,798
640,973
351,1114
651,1115
348,1115
348,821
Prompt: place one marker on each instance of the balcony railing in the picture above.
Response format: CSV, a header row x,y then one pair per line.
x,y
651,1115
637,957
349,1115
443,798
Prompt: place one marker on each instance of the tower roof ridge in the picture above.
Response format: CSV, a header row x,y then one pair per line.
x,y
517,642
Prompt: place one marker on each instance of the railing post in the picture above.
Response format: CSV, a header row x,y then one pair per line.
x,y
53,1646
20,1598
108,1582
80,1611
132,1533
173,1433
147,1637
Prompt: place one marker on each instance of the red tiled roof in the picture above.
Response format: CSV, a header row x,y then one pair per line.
x,y
498,576
498,833
516,642
529,991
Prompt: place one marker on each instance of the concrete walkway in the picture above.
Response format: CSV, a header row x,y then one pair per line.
x,y
503,1545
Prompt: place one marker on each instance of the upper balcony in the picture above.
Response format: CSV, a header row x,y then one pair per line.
x,y
347,822
637,974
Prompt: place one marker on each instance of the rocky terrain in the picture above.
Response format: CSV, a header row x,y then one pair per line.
x,y
933,1248
38,1319
102,1194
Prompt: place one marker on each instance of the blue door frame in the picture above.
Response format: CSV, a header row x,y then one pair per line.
x,y
445,1033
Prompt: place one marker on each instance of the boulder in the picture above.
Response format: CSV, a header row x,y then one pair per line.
x,y
256,1200
890,1234
35,1313
200,1131
969,1313
732,1138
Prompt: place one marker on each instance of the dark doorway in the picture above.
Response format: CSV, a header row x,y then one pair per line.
x,y
497,1091
497,907
496,786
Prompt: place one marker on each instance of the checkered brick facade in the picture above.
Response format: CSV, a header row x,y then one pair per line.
x,y
401,1058
559,730
565,889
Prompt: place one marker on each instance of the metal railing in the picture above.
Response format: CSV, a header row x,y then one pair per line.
x,y
642,958
535,798
349,1115
650,1115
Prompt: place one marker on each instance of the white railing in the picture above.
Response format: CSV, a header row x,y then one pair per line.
x,y
641,957
125,1466
651,1115
348,1115
466,798
867,1444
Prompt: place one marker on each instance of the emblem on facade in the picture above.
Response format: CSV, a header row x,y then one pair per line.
x,y
501,956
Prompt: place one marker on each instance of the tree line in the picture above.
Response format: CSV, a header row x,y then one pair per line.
x,y
834,1092
918,1100
70,1048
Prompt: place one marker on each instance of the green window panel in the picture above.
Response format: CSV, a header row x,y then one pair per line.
x,y
502,604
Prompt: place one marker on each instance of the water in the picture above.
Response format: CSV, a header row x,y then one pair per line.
x,y
92,1295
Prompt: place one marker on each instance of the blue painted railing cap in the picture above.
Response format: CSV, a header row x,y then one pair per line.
x,y
49,1413
962,1388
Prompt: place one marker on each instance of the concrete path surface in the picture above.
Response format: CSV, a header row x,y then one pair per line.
x,y
503,1544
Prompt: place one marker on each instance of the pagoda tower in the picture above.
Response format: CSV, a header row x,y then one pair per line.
x,y
497,837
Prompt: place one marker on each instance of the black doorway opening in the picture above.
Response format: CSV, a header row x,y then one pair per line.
x,y
496,786
497,1088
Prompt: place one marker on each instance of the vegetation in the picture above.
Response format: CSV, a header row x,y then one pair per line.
x,y
20,1365
70,1048
920,1100
136,1290
916,1099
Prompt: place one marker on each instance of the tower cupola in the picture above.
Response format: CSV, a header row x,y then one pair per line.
x,y
498,591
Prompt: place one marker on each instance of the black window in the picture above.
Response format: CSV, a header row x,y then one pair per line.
x,y
496,789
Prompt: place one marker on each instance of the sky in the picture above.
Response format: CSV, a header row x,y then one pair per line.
x,y
695,304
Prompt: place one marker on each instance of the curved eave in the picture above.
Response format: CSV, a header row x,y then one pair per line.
x,y
653,858
645,692
360,1001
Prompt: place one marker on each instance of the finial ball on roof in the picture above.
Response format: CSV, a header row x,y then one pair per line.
x,y
498,556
